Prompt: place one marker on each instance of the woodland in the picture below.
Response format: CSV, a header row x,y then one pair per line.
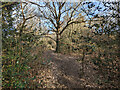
x,y
60,44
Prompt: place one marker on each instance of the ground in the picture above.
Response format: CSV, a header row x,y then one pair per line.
x,y
64,71
67,71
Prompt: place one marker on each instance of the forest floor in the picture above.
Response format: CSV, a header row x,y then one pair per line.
x,y
65,71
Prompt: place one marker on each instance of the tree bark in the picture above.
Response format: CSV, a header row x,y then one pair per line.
x,y
57,43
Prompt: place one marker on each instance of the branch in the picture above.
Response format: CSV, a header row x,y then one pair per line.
x,y
66,10
75,23
70,18
8,4
48,18
51,9
52,29
35,3
73,12
25,5
61,6
22,12
70,24
55,10
30,17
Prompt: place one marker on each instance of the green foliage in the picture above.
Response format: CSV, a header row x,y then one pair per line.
x,y
106,58
16,54
19,52
16,65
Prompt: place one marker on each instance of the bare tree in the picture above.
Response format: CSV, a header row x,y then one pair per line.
x,y
25,14
55,14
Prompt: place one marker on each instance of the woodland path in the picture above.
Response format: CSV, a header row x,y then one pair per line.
x,y
66,69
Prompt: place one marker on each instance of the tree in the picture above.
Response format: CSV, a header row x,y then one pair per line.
x,y
107,14
105,37
15,52
55,12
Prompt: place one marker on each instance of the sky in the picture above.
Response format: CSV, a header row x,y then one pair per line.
x,y
68,0
96,2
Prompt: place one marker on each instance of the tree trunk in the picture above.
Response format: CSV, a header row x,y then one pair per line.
x,y
57,43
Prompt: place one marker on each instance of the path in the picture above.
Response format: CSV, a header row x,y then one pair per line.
x,y
66,70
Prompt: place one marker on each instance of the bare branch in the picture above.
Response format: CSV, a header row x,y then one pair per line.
x,y
53,29
30,17
70,24
35,3
73,11
25,5
48,18
66,10
55,10
22,12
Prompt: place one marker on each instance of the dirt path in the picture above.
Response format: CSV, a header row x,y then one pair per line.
x,y
66,70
